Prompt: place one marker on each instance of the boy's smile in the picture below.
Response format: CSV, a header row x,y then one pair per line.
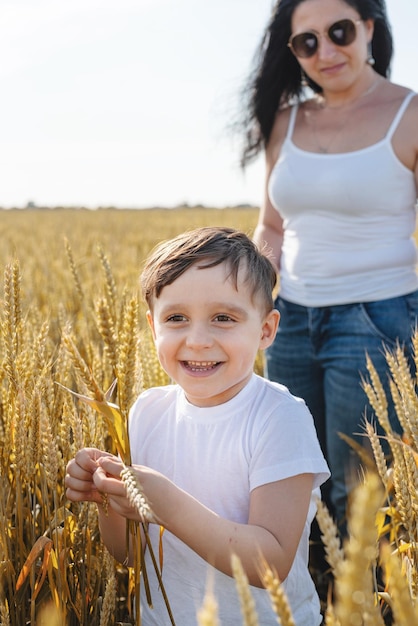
x,y
207,333
201,366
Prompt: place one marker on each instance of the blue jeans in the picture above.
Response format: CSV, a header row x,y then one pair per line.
x,y
319,354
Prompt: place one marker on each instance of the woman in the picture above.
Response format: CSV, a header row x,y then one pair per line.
x,y
339,209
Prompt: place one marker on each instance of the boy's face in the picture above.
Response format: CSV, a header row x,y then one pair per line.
x,y
207,333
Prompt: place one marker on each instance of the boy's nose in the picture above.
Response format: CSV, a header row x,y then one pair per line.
x,y
199,336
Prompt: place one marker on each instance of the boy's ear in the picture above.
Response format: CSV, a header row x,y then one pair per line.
x,y
269,329
150,321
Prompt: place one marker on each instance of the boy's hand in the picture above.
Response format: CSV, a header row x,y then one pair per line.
x,y
107,480
79,475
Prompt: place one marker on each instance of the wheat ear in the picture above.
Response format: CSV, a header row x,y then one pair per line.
x,y
404,611
330,617
356,602
401,375
378,453
73,269
109,598
280,603
4,614
135,494
247,603
127,368
11,324
402,494
106,326
377,396
111,292
412,475
330,537
207,615
81,367
50,452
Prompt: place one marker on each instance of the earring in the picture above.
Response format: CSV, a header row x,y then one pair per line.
x,y
370,58
303,79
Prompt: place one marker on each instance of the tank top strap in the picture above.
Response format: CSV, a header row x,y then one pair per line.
x,y
292,120
399,114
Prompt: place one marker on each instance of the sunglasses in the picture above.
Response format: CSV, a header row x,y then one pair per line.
x,y
341,33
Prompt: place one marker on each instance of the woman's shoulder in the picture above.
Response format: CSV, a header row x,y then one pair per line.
x,y
405,101
281,125
396,88
394,93
278,133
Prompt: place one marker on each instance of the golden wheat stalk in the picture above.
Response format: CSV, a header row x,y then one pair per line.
x,y
279,601
135,494
401,375
397,402
110,285
49,615
247,603
5,434
207,615
127,368
81,367
17,304
330,537
33,429
153,374
73,269
405,611
12,318
109,598
20,442
39,356
50,451
106,327
379,455
4,614
402,493
377,396
412,478
356,601
415,346
330,617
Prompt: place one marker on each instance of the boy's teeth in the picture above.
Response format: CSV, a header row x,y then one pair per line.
x,y
202,363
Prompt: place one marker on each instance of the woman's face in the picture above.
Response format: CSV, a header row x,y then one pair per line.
x,y
330,42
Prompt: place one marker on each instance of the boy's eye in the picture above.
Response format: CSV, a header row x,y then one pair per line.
x,y
176,318
222,317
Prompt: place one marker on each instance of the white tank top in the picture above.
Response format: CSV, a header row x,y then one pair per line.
x,y
349,221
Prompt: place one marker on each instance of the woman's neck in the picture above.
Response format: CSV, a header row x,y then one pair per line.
x,y
342,100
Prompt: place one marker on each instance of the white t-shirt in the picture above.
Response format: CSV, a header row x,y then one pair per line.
x,y
219,455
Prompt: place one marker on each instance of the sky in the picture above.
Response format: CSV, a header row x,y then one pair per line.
x,y
129,103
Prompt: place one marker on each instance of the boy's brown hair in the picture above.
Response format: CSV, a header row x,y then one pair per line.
x,y
206,247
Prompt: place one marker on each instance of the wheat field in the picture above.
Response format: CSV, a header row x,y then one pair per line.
x,y
72,321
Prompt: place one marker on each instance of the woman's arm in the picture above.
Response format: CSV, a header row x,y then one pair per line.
x,y
269,229
277,517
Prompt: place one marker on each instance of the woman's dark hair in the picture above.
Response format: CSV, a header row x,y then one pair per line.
x,y
276,79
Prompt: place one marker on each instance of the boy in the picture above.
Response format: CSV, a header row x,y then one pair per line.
x,y
229,462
